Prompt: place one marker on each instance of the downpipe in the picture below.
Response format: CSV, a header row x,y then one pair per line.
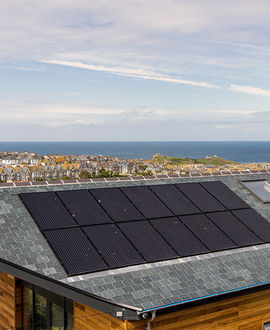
x,y
148,327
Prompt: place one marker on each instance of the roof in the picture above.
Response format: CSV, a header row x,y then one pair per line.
x,y
142,287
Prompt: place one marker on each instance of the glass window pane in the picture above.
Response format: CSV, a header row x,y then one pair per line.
x,y
69,321
27,308
40,312
57,317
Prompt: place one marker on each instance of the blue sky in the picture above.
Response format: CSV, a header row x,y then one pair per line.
x,y
134,70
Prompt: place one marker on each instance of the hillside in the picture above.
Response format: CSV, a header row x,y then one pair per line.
x,y
214,160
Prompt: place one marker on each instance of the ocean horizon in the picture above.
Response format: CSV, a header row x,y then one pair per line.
x,y
239,151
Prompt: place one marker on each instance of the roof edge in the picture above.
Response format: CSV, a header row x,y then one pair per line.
x,y
126,312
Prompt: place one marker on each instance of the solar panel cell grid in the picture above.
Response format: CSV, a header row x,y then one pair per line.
x,y
146,240
176,201
234,229
47,210
255,222
116,204
224,195
179,237
209,234
146,202
113,245
75,251
200,197
84,207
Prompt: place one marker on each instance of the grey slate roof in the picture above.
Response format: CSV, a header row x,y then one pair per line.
x,y
149,286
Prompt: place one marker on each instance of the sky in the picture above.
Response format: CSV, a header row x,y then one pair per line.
x,y
125,70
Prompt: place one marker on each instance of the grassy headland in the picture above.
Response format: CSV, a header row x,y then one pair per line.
x,y
213,160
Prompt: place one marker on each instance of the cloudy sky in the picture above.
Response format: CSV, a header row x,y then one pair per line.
x,y
125,70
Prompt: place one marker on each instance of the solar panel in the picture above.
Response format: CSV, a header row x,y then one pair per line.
x,y
47,210
113,245
99,229
255,222
177,202
84,207
146,202
147,241
224,195
234,228
116,204
209,234
75,251
179,237
200,197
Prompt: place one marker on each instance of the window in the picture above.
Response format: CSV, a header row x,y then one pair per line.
x,y
27,308
43,309
266,326
261,189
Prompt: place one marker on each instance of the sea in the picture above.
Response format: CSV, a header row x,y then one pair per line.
x,y
242,152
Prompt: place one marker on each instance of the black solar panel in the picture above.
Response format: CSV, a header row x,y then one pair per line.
x,y
47,210
113,246
234,228
255,222
177,202
99,229
75,251
225,195
146,202
200,197
146,240
84,207
116,204
179,237
208,233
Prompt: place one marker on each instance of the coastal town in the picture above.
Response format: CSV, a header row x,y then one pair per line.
x,y
30,167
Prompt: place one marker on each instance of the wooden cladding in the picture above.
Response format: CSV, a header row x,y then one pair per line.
x,y
246,312
7,301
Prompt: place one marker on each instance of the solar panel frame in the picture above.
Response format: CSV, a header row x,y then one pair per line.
x,y
83,206
208,233
200,197
116,204
224,195
234,228
75,251
174,199
146,202
255,222
37,204
147,241
111,243
179,237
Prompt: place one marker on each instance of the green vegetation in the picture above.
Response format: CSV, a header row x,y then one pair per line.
x,y
102,174
215,160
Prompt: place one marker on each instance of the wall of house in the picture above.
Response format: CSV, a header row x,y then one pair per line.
x,y
246,312
7,301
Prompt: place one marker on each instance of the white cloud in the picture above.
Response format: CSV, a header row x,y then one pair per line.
x,y
131,72
250,90
75,123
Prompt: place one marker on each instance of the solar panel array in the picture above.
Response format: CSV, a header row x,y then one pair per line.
x,y
98,229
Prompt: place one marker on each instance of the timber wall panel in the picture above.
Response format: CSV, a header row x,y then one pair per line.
x,y
246,312
87,318
7,301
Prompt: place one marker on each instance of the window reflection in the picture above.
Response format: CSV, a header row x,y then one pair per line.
x,y
42,309
27,308
40,312
57,317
